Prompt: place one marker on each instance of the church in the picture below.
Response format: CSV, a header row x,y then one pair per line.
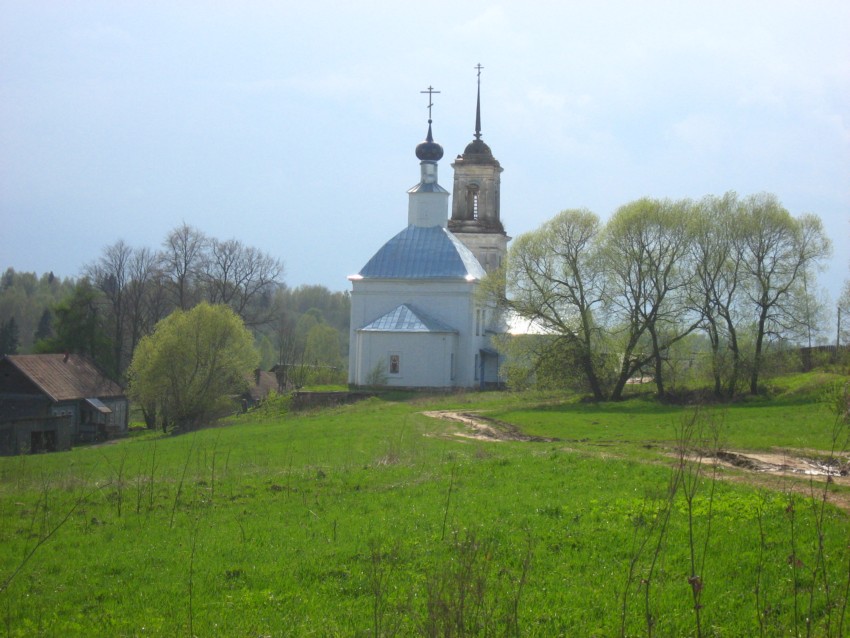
x,y
416,318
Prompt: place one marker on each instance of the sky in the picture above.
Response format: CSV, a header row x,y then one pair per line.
x,y
291,126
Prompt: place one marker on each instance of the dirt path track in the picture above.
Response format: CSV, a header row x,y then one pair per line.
x,y
757,467
484,428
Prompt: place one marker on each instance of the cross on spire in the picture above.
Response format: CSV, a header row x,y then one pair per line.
x,y
430,93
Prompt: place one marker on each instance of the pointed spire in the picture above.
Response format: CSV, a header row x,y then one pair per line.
x,y
429,150
477,148
478,105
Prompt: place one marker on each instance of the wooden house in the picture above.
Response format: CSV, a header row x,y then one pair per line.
x,y
49,401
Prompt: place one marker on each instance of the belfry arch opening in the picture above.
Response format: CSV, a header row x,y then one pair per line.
x,y
472,199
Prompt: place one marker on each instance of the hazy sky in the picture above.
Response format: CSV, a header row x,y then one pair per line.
x,y
291,126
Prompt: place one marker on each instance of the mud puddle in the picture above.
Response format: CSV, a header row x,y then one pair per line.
x,y
834,469
483,428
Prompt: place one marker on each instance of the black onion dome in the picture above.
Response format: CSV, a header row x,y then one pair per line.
x,y
429,150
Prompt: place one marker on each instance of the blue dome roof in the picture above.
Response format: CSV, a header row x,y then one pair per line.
x,y
420,252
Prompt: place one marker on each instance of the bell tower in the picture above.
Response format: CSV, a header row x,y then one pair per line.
x,y
475,207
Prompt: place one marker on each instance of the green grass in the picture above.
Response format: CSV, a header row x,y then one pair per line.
x,y
374,520
338,387
796,415
761,425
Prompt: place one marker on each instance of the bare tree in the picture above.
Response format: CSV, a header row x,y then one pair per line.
x,y
145,295
243,278
182,261
222,271
287,353
110,275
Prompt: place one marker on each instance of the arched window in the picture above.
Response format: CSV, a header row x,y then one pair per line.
x,y
472,201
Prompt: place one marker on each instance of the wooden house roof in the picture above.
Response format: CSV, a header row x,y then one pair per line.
x,y
65,377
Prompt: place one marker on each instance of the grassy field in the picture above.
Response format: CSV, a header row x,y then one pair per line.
x,y
376,520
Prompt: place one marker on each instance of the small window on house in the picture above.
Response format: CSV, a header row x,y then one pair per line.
x,y
477,363
478,322
395,364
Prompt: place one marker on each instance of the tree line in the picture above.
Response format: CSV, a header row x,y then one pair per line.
x,y
611,302
125,291
26,302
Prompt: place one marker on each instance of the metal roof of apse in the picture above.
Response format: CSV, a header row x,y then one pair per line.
x,y
406,318
420,252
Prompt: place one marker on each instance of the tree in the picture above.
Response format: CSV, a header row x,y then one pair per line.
x,y
79,327
132,296
8,279
335,307
243,278
645,252
25,296
321,351
632,292
192,365
779,251
808,312
145,296
110,275
843,329
554,279
45,326
9,337
182,260
288,355
717,258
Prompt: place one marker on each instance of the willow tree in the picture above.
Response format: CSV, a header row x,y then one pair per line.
x,y
192,365
554,279
718,281
780,251
646,255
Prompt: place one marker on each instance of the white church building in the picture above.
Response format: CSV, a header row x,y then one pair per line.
x,y
416,318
